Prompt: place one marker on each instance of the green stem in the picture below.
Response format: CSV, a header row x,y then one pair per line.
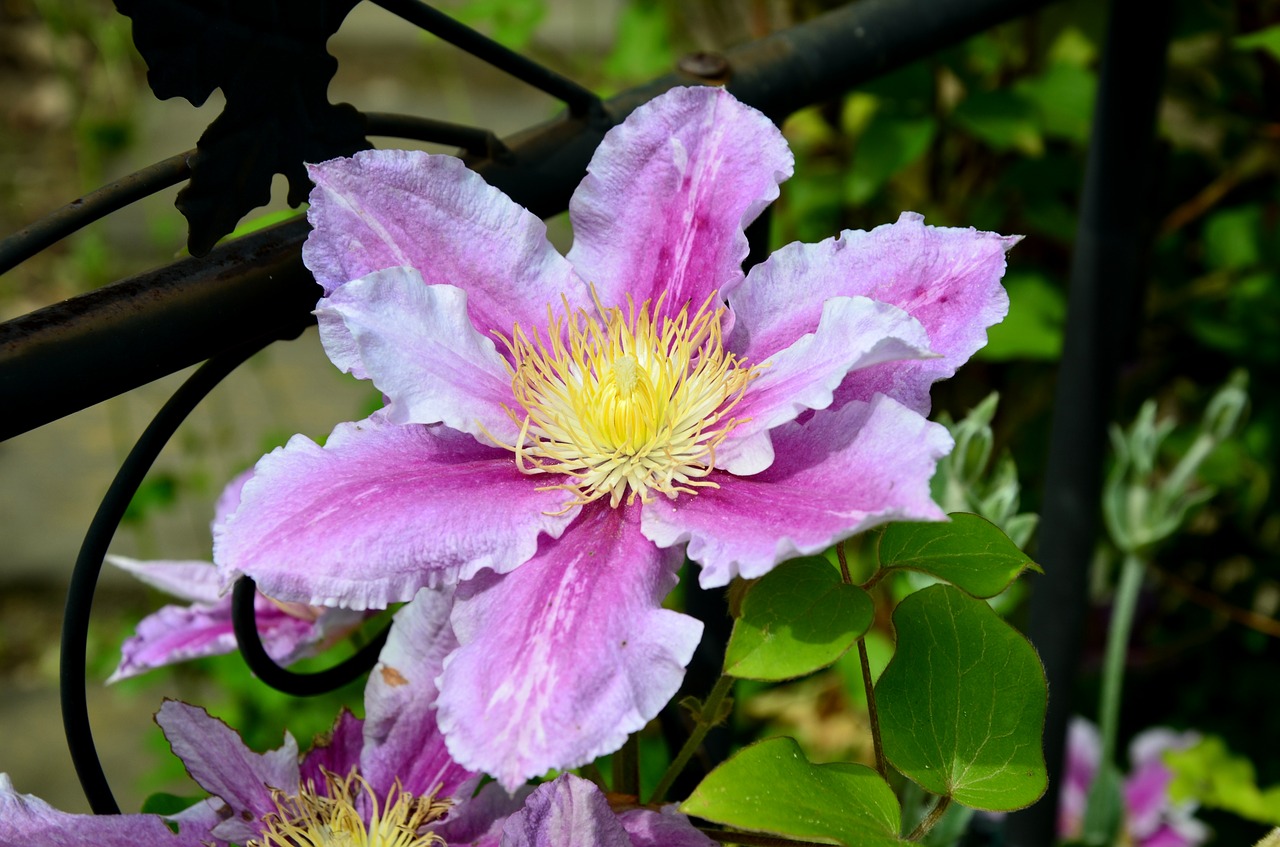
x,y
931,819
844,564
705,720
626,767
882,767
1113,666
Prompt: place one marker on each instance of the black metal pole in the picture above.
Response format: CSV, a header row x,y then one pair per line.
x,y
244,622
84,579
1102,319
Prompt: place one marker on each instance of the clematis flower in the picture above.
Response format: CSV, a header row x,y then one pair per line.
x,y
175,633
560,431
385,781
1151,819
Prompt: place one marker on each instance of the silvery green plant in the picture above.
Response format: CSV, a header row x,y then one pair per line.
x,y
967,481
1144,505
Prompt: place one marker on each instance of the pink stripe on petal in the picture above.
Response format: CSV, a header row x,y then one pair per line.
x,y
391,208
415,342
838,473
221,764
669,193
946,278
854,332
381,511
564,657
566,812
401,739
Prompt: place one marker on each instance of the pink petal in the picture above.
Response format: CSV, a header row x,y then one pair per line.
x,y
190,580
1146,789
418,346
836,474
854,332
478,822
337,753
667,828
379,512
229,499
1083,751
669,194
221,764
948,279
28,821
564,657
401,739
392,208
182,633
566,812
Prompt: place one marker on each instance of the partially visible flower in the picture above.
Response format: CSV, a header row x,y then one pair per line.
x,y
377,781
385,781
28,821
1151,818
562,430
289,631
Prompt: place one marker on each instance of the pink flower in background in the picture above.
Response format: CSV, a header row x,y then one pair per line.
x,y
1151,819
561,431
289,631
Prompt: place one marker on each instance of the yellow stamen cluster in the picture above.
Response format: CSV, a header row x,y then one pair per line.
x,y
333,818
623,406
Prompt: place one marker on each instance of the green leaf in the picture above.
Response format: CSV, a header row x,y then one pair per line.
x,y
771,787
799,618
1264,39
1063,97
1004,119
1211,774
962,702
162,803
1034,326
970,552
887,145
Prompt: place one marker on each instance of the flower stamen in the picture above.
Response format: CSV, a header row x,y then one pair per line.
x,y
620,405
333,817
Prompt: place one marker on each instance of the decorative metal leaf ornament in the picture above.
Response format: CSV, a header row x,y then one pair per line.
x,y
269,59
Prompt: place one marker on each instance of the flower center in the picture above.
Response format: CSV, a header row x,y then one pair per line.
x,y
333,818
623,406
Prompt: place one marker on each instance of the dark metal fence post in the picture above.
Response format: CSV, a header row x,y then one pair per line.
x,y
1111,241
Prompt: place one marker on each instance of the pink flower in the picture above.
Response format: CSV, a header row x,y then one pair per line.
x,y
289,631
562,430
386,780
1151,819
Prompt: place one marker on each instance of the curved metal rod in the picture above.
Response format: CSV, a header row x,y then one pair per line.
x,y
476,141
244,621
84,579
581,101
25,243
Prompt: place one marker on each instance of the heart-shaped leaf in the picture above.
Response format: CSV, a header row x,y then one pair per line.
x,y
969,551
797,619
771,787
962,702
